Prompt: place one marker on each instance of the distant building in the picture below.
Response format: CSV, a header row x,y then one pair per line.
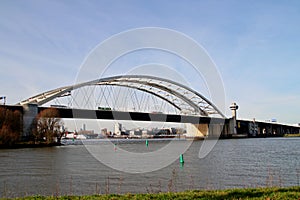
x,y
86,132
173,131
118,128
144,133
104,131
135,132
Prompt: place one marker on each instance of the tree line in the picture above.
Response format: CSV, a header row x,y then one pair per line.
x,y
47,127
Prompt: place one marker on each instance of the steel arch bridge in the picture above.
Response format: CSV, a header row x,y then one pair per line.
x,y
183,98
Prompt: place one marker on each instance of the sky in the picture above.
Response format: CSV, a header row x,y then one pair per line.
x,y
254,44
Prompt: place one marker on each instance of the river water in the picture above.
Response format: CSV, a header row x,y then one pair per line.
x,y
71,170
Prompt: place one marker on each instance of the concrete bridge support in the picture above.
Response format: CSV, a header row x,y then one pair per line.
x,y
232,126
215,130
30,111
204,130
196,130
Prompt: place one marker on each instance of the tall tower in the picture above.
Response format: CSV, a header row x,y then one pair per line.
x,y
233,108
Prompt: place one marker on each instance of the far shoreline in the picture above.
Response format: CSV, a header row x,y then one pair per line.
x,y
66,142
29,145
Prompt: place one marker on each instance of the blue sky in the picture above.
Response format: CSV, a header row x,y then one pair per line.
x,y
255,45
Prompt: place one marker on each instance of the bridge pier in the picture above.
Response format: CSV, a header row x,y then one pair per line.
x,y
215,130
196,130
30,111
204,130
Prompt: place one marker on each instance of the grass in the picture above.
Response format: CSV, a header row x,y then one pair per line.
x,y
258,193
292,135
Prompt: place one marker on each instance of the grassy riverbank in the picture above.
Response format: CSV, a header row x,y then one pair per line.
x,y
292,135
258,193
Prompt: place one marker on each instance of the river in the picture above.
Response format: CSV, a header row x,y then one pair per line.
x,y
72,170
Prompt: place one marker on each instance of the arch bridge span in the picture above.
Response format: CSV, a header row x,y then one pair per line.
x,y
183,98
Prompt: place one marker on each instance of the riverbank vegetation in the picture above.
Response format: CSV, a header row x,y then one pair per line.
x,y
46,129
10,127
258,193
292,135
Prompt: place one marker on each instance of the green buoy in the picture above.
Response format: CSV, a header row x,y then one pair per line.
x,y
181,160
147,143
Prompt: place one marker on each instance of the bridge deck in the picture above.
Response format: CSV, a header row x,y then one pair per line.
x,y
135,116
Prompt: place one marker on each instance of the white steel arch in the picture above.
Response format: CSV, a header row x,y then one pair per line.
x,y
185,99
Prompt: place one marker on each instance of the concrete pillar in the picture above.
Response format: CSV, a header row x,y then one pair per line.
x,y
30,111
215,130
196,130
253,128
232,126
226,129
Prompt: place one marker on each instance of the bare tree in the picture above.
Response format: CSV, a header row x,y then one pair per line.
x,y
48,126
